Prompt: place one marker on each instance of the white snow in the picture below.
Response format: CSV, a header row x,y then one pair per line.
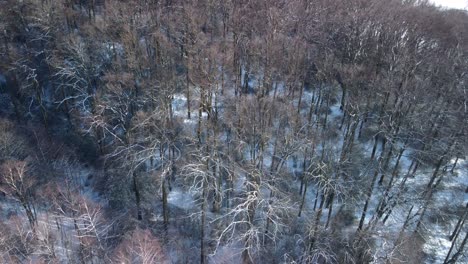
x,y
181,199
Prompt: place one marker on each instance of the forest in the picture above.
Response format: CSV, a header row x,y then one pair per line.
x,y
233,131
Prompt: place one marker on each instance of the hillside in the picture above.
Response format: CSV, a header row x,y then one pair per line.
x,y
250,131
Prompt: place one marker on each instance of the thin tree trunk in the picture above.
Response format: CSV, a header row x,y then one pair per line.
x,y
454,165
137,196
405,224
370,190
460,250
368,197
386,162
316,224
202,227
300,98
165,207
303,199
383,201
459,223
330,208
374,148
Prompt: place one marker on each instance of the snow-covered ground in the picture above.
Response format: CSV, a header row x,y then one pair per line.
x,y
435,235
181,199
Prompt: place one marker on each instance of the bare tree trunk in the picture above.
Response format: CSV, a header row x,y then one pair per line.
x,y
316,224
459,224
405,224
165,207
202,226
331,198
29,212
199,127
459,252
326,112
386,162
303,199
374,148
311,109
301,92
368,197
431,186
136,191
370,191
384,201
454,165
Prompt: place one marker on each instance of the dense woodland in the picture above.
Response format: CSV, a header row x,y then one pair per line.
x,y
235,131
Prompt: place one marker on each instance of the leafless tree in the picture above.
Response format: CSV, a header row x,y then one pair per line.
x,y
18,183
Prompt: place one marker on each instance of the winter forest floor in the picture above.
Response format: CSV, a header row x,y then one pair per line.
x,y
449,198
303,132
432,239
